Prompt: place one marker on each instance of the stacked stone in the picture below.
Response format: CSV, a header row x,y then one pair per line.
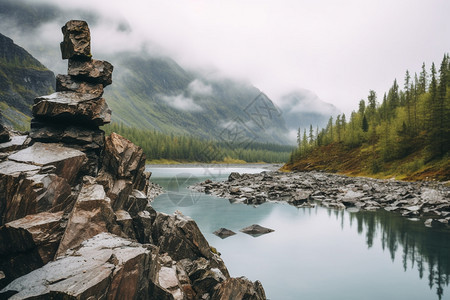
x,y
73,114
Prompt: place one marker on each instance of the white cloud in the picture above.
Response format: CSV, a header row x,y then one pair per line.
x,y
337,49
182,103
198,88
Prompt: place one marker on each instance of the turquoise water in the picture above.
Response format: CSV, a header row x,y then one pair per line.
x,y
315,253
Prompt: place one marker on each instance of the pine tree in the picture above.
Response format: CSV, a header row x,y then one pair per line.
x,y
423,81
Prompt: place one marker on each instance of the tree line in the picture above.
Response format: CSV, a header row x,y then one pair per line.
x,y
409,119
158,145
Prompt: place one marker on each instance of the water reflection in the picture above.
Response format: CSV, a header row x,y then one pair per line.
x,y
424,249
319,253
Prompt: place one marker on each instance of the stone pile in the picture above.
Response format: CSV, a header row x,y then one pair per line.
x,y
74,113
75,214
427,200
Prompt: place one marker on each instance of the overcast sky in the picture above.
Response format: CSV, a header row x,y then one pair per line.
x,y
339,50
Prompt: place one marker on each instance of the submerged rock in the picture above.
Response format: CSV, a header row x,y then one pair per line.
x,y
224,233
256,230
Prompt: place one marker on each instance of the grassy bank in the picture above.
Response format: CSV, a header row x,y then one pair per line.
x,y
361,161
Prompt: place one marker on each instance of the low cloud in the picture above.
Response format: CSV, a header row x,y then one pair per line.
x,y
198,88
180,102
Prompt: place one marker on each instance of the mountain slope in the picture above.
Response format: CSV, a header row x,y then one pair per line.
x,y
156,93
22,78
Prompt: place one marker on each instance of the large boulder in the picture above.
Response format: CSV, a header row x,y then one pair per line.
x,y
28,243
95,71
25,190
73,108
180,236
77,40
91,215
103,267
123,158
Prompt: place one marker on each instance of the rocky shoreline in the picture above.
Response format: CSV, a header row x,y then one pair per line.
x,y
429,201
75,214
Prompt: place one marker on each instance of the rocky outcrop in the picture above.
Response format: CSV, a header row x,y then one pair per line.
x,y
306,189
256,230
75,214
4,134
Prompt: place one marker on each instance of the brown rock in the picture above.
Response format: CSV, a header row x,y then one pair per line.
x,y
95,71
180,237
125,221
28,243
123,158
24,191
77,40
4,134
67,161
73,108
65,83
88,139
103,267
239,288
91,215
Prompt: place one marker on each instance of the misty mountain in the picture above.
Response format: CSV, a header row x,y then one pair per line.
x,y
156,93
302,108
22,78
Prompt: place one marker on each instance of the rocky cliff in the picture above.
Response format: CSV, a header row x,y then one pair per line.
x,y
75,218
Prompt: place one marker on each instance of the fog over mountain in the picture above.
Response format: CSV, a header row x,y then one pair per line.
x,y
312,48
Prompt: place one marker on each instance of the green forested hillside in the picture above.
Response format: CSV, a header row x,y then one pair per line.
x,y
159,146
405,133
22,78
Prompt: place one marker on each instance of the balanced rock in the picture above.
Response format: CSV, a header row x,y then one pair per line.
x,y
86,138
95,71
73,108
77,40
65,83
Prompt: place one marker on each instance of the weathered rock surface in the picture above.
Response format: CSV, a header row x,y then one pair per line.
x,y
305,189
91,215
28,243
73,108
77,40
67,161
65,83
95,71
104,267
239,288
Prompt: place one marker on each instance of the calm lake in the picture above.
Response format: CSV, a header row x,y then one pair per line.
x,y
314,253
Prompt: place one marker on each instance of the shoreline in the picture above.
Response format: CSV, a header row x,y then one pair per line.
x,y
429,201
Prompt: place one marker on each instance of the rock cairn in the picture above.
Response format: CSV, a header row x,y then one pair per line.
x,y
74,113
75,215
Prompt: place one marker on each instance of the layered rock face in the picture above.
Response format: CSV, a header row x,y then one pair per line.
x,y
75,214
